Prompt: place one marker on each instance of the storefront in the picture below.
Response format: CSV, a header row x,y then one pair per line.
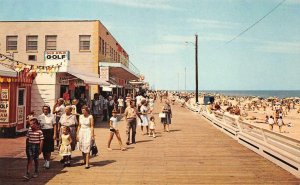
x,y
119,76
15,103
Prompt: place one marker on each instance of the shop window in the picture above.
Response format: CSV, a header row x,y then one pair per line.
x,y
21,98
84,42
105,48
32,43
11,43
102,47
32,57
50,42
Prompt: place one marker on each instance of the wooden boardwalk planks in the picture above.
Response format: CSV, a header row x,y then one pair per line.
x,y
194,152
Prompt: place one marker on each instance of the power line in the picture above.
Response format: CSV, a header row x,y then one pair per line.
x,y
251,26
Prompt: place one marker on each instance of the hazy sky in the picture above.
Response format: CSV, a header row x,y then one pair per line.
x,y
154,32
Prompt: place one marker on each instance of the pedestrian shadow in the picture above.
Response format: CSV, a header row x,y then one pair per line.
x,y
143,141
175,130
102,124
102,163
13,169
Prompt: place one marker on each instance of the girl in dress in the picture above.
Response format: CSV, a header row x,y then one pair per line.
x,y
65,147
152,127
85,134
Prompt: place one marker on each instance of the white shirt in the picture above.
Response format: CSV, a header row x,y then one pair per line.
x,y
138,100
115,123
121,102
280,122
46,121
60,110
271,121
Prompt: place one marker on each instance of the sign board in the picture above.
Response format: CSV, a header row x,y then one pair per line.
x,y
66,78
4,94
21,114
104,73
4,111
57,56
107,89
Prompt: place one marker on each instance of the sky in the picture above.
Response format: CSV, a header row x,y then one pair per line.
x,y
159,36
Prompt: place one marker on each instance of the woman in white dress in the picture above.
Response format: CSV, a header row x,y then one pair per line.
x,y
144,116
85,135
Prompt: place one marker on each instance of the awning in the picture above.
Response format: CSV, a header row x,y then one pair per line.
x,y
5,71
92,80
120,71
136,82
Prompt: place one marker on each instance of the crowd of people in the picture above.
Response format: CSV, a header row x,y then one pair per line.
x,y
72,126
247,108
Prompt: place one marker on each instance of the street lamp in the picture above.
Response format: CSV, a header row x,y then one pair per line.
x,y
196,65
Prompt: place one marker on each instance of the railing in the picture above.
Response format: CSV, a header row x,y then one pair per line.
x,y
280,149
129,65
133,68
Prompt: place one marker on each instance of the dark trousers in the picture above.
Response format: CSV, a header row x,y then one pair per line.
x,y
105,115
131,125
110,109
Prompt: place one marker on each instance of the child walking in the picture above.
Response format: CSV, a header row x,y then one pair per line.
x,y
65,147
152,126
34,145
114,129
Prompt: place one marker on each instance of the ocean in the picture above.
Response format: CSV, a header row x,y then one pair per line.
x,y
260,93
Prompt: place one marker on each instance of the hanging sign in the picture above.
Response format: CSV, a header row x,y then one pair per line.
x,y
4,94
20,113
104,73
57,56
107,89
4,111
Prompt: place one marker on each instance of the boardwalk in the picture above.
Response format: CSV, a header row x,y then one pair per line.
x,y
193,152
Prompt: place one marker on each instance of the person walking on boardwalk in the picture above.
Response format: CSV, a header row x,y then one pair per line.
x,y
96,107
144,116
48,126
166,121
128,99
58,111
120,104
34,145
110,106
69,120
114,129
130,114
85,135
65,147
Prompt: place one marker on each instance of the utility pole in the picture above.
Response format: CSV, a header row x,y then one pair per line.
x,y
196,65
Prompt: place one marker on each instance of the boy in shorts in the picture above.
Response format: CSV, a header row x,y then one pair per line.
x,y
34,145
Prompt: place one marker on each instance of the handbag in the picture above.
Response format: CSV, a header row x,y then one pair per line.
x,y
162,115
94,149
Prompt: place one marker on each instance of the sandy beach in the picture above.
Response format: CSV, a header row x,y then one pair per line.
x,y
252,111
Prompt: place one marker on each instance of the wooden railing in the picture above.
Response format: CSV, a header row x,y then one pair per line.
x,y
280,149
